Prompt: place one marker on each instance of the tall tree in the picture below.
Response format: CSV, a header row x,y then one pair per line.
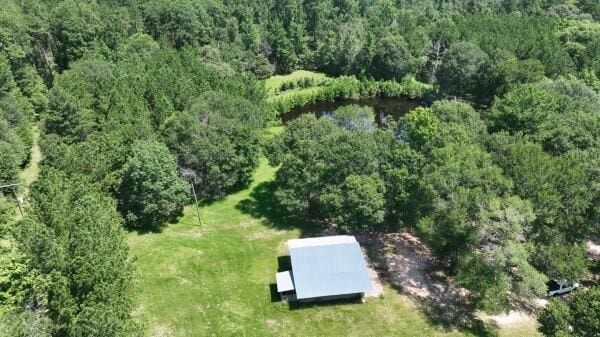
x,y
150,192
464,71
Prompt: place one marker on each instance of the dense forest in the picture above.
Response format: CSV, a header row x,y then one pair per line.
x,y
136,99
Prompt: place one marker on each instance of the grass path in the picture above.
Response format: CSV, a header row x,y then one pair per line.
x,y
31,172
216,280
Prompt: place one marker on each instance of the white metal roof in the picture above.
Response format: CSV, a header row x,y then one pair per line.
x,y
284,281
321,241
328,266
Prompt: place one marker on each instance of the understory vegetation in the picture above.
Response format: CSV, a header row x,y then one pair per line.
x,y
137,103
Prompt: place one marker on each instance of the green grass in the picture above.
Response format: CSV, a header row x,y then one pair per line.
x,y
32,171
217,279
275,82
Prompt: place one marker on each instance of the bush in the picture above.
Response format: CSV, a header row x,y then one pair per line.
x,y
349,87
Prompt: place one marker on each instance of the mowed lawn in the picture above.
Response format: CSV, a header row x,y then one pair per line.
x,y
217,279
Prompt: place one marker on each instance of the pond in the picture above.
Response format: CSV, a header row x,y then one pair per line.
x,y
394,107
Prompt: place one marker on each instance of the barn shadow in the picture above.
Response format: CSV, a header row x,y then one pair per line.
x,y
262,204
284,263
295,305
274,294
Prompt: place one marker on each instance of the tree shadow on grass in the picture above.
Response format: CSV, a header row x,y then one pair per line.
x,y
262,204
404,269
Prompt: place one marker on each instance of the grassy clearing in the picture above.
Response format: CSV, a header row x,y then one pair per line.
x,y
218,279
274,82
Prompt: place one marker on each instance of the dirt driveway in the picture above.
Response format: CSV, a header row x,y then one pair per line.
x,y
407,265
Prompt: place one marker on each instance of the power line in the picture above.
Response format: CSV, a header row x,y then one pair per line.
x,y
196,202
13,187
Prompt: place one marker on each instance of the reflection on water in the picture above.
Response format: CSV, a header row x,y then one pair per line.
x,y
395,107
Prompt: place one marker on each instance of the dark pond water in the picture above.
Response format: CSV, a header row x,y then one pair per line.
x,y
395,107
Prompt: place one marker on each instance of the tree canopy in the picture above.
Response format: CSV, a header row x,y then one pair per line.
x,y
135,100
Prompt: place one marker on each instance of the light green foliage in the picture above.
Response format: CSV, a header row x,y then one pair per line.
x,y
561,114
523,109
421,128
20,284
276,81
458,123
349,87
507,74
7,210
27,323
139,45
150,192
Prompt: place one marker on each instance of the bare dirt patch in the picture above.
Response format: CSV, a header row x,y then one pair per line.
x,y
408,266
593,248
161,330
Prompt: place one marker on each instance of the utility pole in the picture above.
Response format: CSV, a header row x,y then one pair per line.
x,y
14,190
196,203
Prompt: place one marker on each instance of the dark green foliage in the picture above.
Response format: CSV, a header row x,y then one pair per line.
x,y
9,162
358,204
525,36
471,223
580,318
329,171
74,237
150,192
216,142
557,187
454,180
586,312
392,58
555,319
463,71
